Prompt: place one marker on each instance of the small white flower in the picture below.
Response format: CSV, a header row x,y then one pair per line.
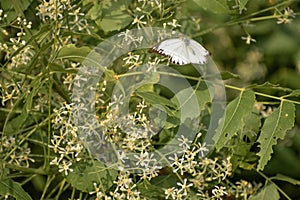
x,y
248,39
174,23
218,192
184,186
65,166
139,21
286,17
184,142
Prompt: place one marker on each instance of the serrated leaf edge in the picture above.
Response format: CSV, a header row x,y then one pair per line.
x,y
273,131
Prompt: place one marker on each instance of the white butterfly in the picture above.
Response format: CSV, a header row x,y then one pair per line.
x,y
182,51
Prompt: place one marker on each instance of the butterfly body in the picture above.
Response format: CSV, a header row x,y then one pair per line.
x,y
182,51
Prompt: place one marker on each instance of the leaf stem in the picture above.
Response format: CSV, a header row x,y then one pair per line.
x,y
278,188
227,86
264,95
27,170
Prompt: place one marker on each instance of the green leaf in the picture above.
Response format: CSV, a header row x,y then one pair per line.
x,y
154,99
14,8
191,98
286,179
171,122
26,99
165,181
225,75
110,15
74,53
274,128
253,122
294,93
242,5
150,191
56,68
268,192
8,186
241,155
235,113
203,98
84,175
228,75
215,6
270,86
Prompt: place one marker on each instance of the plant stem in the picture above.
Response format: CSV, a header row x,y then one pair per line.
x,y
264,95
245,18
278,188
27,170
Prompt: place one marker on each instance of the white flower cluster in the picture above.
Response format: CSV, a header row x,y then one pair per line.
x,y
66,143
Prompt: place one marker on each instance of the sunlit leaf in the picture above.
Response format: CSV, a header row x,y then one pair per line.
x,y
74,53
268,192
190,99
274,128
235,113
153,98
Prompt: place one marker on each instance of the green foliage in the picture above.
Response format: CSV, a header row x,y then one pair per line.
x,y
10,7
46,151
151,190
215,6
73,53
235,112
110,15
269,191
8,186
274,128
83,176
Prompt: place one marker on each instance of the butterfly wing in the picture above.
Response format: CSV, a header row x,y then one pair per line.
x,y
197,53
174,49
182,51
